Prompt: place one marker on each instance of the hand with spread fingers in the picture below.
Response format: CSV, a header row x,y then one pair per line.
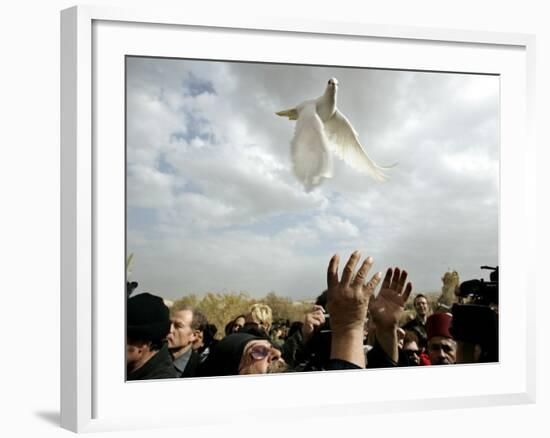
x,y
387,307
348,300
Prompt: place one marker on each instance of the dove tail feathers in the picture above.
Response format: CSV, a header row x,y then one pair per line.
x,y
379,174
292,114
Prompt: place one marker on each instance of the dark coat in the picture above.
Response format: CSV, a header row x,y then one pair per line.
x,y
160,366
192,367
377,357
339,364
294,351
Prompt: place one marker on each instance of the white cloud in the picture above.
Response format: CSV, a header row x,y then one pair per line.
x,y
335,227
149,188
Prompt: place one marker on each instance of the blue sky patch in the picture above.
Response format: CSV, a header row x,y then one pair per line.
x,y
195,86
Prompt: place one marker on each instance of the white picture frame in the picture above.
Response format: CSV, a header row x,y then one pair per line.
x,y
93,39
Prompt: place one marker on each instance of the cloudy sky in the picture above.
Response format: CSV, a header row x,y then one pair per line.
x,y
213,205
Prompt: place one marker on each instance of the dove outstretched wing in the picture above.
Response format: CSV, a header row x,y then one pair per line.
x,y
344,142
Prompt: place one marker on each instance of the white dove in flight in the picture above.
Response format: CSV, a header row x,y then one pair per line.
x,y
320,129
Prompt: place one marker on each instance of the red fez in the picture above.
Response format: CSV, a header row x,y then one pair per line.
x,y
438,324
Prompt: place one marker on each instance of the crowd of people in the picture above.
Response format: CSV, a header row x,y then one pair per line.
x,y
350,326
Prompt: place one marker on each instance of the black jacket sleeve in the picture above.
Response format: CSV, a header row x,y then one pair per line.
x,y
377,358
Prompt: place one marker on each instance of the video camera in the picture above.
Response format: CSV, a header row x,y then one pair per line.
x,y
480,291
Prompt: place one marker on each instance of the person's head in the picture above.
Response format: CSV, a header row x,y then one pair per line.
x,y
235,325
148,322
412,352
209,333
442,350
276,332
475,328
183,329
285,329
441,345
261,357
411,349
261,315
421,305
199,326
242,353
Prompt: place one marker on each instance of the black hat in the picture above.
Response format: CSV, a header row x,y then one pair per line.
x,y
225,357
148,318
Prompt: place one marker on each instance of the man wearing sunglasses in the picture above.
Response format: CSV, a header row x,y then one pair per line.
x,y
261,357
242,353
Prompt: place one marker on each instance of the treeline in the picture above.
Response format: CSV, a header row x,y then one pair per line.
x,y
222,308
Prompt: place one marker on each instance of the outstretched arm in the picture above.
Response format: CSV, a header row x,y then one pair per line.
x,y
348,300
386,309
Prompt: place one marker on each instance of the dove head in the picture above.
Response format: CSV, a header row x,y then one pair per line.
x,y
332,83
332,87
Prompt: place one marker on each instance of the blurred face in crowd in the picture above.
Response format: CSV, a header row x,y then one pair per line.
x,y
181,334
442,351
260,357
133,352
137,353
238,324
412,352
421,306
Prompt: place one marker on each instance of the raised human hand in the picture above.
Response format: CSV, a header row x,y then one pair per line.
x,y
348,298
386,308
